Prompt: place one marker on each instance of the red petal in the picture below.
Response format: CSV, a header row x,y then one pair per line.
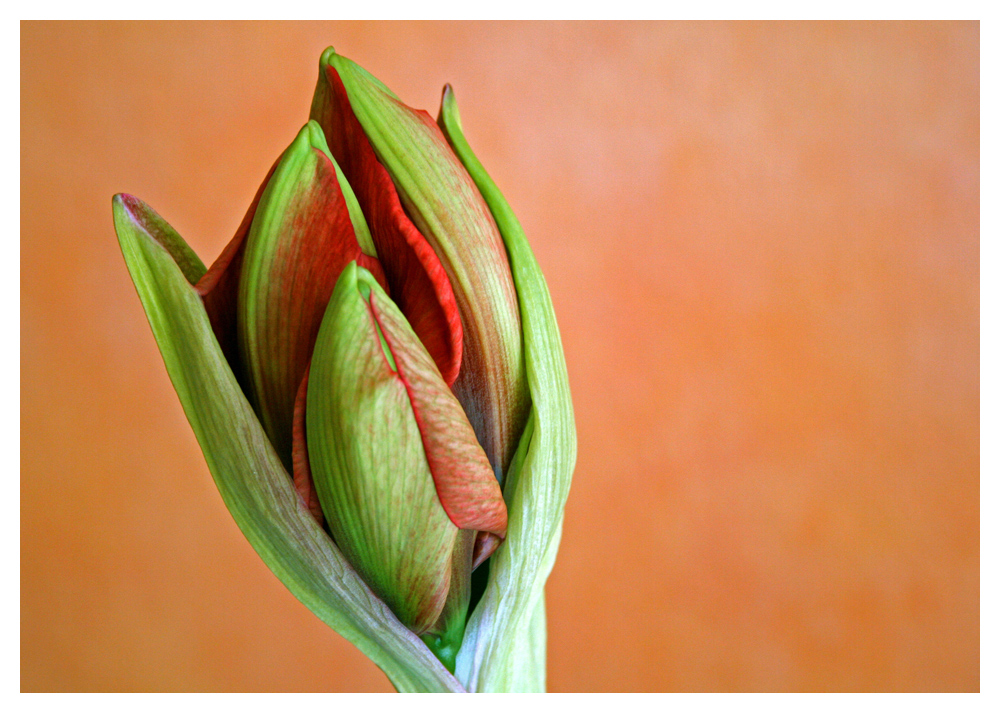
x,y
219,286
417,280
300,455
309,239
463,477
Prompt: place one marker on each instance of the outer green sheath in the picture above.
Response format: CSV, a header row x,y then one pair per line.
x,y
254,485
504,646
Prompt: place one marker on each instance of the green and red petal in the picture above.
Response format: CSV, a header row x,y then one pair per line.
x,y
300,240
463,478
367,460
219,286
416,278
301,474
444,204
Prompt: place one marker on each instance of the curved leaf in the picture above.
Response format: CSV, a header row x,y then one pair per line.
x,y
503,649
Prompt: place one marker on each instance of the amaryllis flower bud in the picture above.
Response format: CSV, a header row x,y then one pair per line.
x,y
307,227
373,371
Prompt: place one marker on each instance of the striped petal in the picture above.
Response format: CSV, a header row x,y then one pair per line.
x,y
447,208
395,462
417,281
301,237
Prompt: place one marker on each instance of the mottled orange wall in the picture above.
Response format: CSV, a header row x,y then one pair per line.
x,y
763,246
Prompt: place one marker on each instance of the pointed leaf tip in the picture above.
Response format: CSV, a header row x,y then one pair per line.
x,y
326,57
132,215
448,100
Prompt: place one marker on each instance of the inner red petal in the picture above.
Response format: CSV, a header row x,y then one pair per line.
x,y
300,455
417,280
219,286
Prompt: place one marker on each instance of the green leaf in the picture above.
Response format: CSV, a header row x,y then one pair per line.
x,y
254,485
504,649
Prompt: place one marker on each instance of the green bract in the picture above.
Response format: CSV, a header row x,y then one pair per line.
x,y
504,646
401,363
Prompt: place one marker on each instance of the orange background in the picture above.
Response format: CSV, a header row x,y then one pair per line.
x,y
763,246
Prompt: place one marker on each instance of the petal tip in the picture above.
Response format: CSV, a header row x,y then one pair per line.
x,y
126,201
327,57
